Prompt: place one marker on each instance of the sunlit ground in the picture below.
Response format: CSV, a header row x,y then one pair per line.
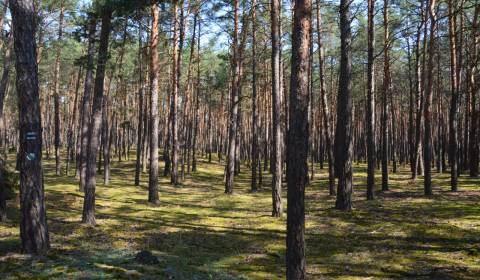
x,y
198,232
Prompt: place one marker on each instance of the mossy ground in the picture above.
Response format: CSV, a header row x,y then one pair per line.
x,y
198,232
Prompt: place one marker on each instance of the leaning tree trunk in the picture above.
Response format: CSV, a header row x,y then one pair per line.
x,y
88,215
297,144
276,111
33,224
153,172
343,135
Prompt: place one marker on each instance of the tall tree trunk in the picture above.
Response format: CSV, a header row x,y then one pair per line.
x,y
370,110
197,101
141,92
297,144
411,103
56,81
419,91
254,167
88,215
326,113
73,123
386,93
92,26
276,111
175,94
427,151
153,172
234,100
453,120
474,76
33,225
105,140
7,62
343,135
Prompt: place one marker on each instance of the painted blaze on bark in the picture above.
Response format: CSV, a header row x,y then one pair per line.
x,y
297,146
33,225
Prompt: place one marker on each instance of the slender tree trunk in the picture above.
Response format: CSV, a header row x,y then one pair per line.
x,y
33,224
105,140
88,216
453,121
141,92
474,76
176,91
92,26
419,93
234,100
7,62
72,125
254,167
326,113
386,93
56,94
427,151
370,110
153,172
276,111
343,135
197,102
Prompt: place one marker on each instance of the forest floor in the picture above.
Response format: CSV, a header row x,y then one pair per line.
x,y
198,232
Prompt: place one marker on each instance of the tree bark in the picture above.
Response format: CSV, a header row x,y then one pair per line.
x,y
427,150
276,111
324,100
386,93
343,135
474,76
453,120
56,81
297,144
197,101
33,225
7,62
88,215
254,147
370,110
141,92
92,26
234,100
153,172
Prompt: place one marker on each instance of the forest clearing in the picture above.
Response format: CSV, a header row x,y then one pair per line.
x,y
239,139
